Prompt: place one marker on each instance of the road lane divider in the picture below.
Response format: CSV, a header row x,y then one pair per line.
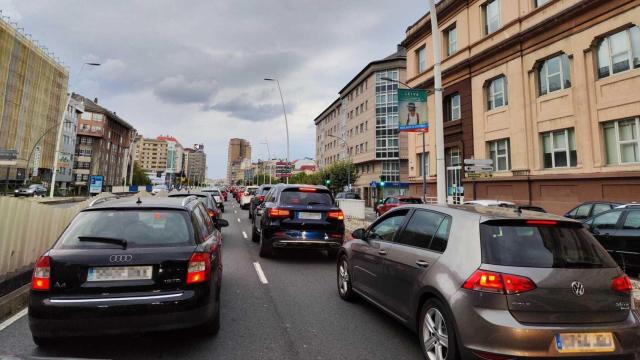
x,y
244,235
5,324
263,279
238,219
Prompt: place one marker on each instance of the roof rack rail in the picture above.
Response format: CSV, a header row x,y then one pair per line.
x,y
189,199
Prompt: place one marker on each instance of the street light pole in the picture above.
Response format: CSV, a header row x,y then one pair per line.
x,y
266,142
437,77
424,149
62,122
286,123
344,142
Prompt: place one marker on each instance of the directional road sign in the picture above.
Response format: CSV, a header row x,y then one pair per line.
x,y
478,168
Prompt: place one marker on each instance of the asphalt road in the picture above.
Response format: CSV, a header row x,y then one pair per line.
x,y
296,315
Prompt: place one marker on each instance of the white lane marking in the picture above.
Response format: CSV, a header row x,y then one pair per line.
x,y
235,211
244,234
263,279
13,319
238,219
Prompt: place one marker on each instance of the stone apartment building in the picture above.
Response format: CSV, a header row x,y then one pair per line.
x,y
151,155
67,149
239,151
361,125
195,164
547,89
102,144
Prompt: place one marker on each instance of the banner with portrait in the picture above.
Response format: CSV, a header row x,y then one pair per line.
x,y
412,110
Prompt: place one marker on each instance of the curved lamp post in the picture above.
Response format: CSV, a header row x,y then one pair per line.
x,y
286,123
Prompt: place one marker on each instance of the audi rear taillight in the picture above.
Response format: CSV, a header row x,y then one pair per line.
x,y
199,268
508,284
335,215
212,213
279,213
41,274
622,284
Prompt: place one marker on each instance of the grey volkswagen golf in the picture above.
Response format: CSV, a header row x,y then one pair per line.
x,y
493,283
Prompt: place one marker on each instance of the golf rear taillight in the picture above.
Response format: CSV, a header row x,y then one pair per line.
x,y
41,274
622,284
199,268
335,215
488,281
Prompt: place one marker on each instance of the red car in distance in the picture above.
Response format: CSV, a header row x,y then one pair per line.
x,y
395,201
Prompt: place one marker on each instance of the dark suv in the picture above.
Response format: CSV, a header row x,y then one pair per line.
x,y
258,199
493,283
124,265
298,216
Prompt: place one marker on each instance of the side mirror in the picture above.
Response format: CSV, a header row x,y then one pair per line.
x,y
358,234
221,223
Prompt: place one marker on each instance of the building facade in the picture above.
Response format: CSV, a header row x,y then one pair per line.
x,y
33,90
196,164
67,149
102,143
362,126
239,151
151,155
547,89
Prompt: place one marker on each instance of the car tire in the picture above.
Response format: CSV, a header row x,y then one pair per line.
x,y
250,216
343,275
266,250
255,235
435,320
43,342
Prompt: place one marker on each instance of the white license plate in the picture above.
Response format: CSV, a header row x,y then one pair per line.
x,y
585,342
309,215
119,273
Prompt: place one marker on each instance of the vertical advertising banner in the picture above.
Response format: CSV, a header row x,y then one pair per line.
x,y
95,184
412,110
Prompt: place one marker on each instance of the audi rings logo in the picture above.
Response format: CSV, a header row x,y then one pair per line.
x,y
578,288
120,258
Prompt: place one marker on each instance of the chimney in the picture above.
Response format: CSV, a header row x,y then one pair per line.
x,y
95,100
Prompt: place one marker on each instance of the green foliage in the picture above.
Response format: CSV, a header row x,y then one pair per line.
x,y
261,178
303,178
139,177
336,175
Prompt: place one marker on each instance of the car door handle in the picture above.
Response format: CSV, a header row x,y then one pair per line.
x,y
382,252
422,263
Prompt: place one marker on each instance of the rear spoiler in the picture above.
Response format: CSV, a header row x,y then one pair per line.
x,y
537,222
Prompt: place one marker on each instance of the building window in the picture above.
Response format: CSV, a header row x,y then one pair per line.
x,y
554,74
539,3
559,149
491,16
622,141
420,171
452,107
497,93
500,153
451,37
421,57
86,115
619,52
390,171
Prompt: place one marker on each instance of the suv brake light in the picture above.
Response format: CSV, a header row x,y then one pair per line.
x,y
279,213
508,284
622,284
336,215
199,268
41,274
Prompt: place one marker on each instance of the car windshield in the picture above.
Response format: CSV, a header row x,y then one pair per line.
x,y
296,197
140,228
545,246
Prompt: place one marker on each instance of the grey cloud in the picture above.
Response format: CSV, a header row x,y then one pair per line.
x,y
178,90
243,109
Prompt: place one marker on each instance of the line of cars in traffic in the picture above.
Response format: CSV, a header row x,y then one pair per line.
x,y
474,281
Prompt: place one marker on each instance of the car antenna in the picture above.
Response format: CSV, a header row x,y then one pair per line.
x,y
139,201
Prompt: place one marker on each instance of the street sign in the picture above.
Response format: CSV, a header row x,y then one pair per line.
x,y
478,168
473,175
95,184
478,162
283,169
8,163
8,154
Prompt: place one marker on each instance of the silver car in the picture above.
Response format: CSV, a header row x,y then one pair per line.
x,y
479,282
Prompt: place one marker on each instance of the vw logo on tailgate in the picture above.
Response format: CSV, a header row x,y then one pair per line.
x,y
120,258
578,288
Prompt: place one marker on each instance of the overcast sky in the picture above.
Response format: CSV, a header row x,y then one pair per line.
x,y
195,69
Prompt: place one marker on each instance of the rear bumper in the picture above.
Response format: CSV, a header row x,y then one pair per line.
x,y
299,239
65,316
495,331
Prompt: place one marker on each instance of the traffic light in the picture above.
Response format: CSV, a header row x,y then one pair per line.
x,y
327,182
381,183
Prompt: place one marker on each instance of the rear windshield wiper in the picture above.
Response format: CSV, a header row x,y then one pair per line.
x,y
316,203
108,240
573,264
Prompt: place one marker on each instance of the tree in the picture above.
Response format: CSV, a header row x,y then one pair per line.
x,y
303,178
262,178
139,177
337,175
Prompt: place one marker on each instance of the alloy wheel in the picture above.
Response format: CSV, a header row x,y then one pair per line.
x,y
434,335
343,273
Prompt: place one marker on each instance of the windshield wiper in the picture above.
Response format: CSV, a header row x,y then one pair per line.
x,y
316,203
582,264
108,240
